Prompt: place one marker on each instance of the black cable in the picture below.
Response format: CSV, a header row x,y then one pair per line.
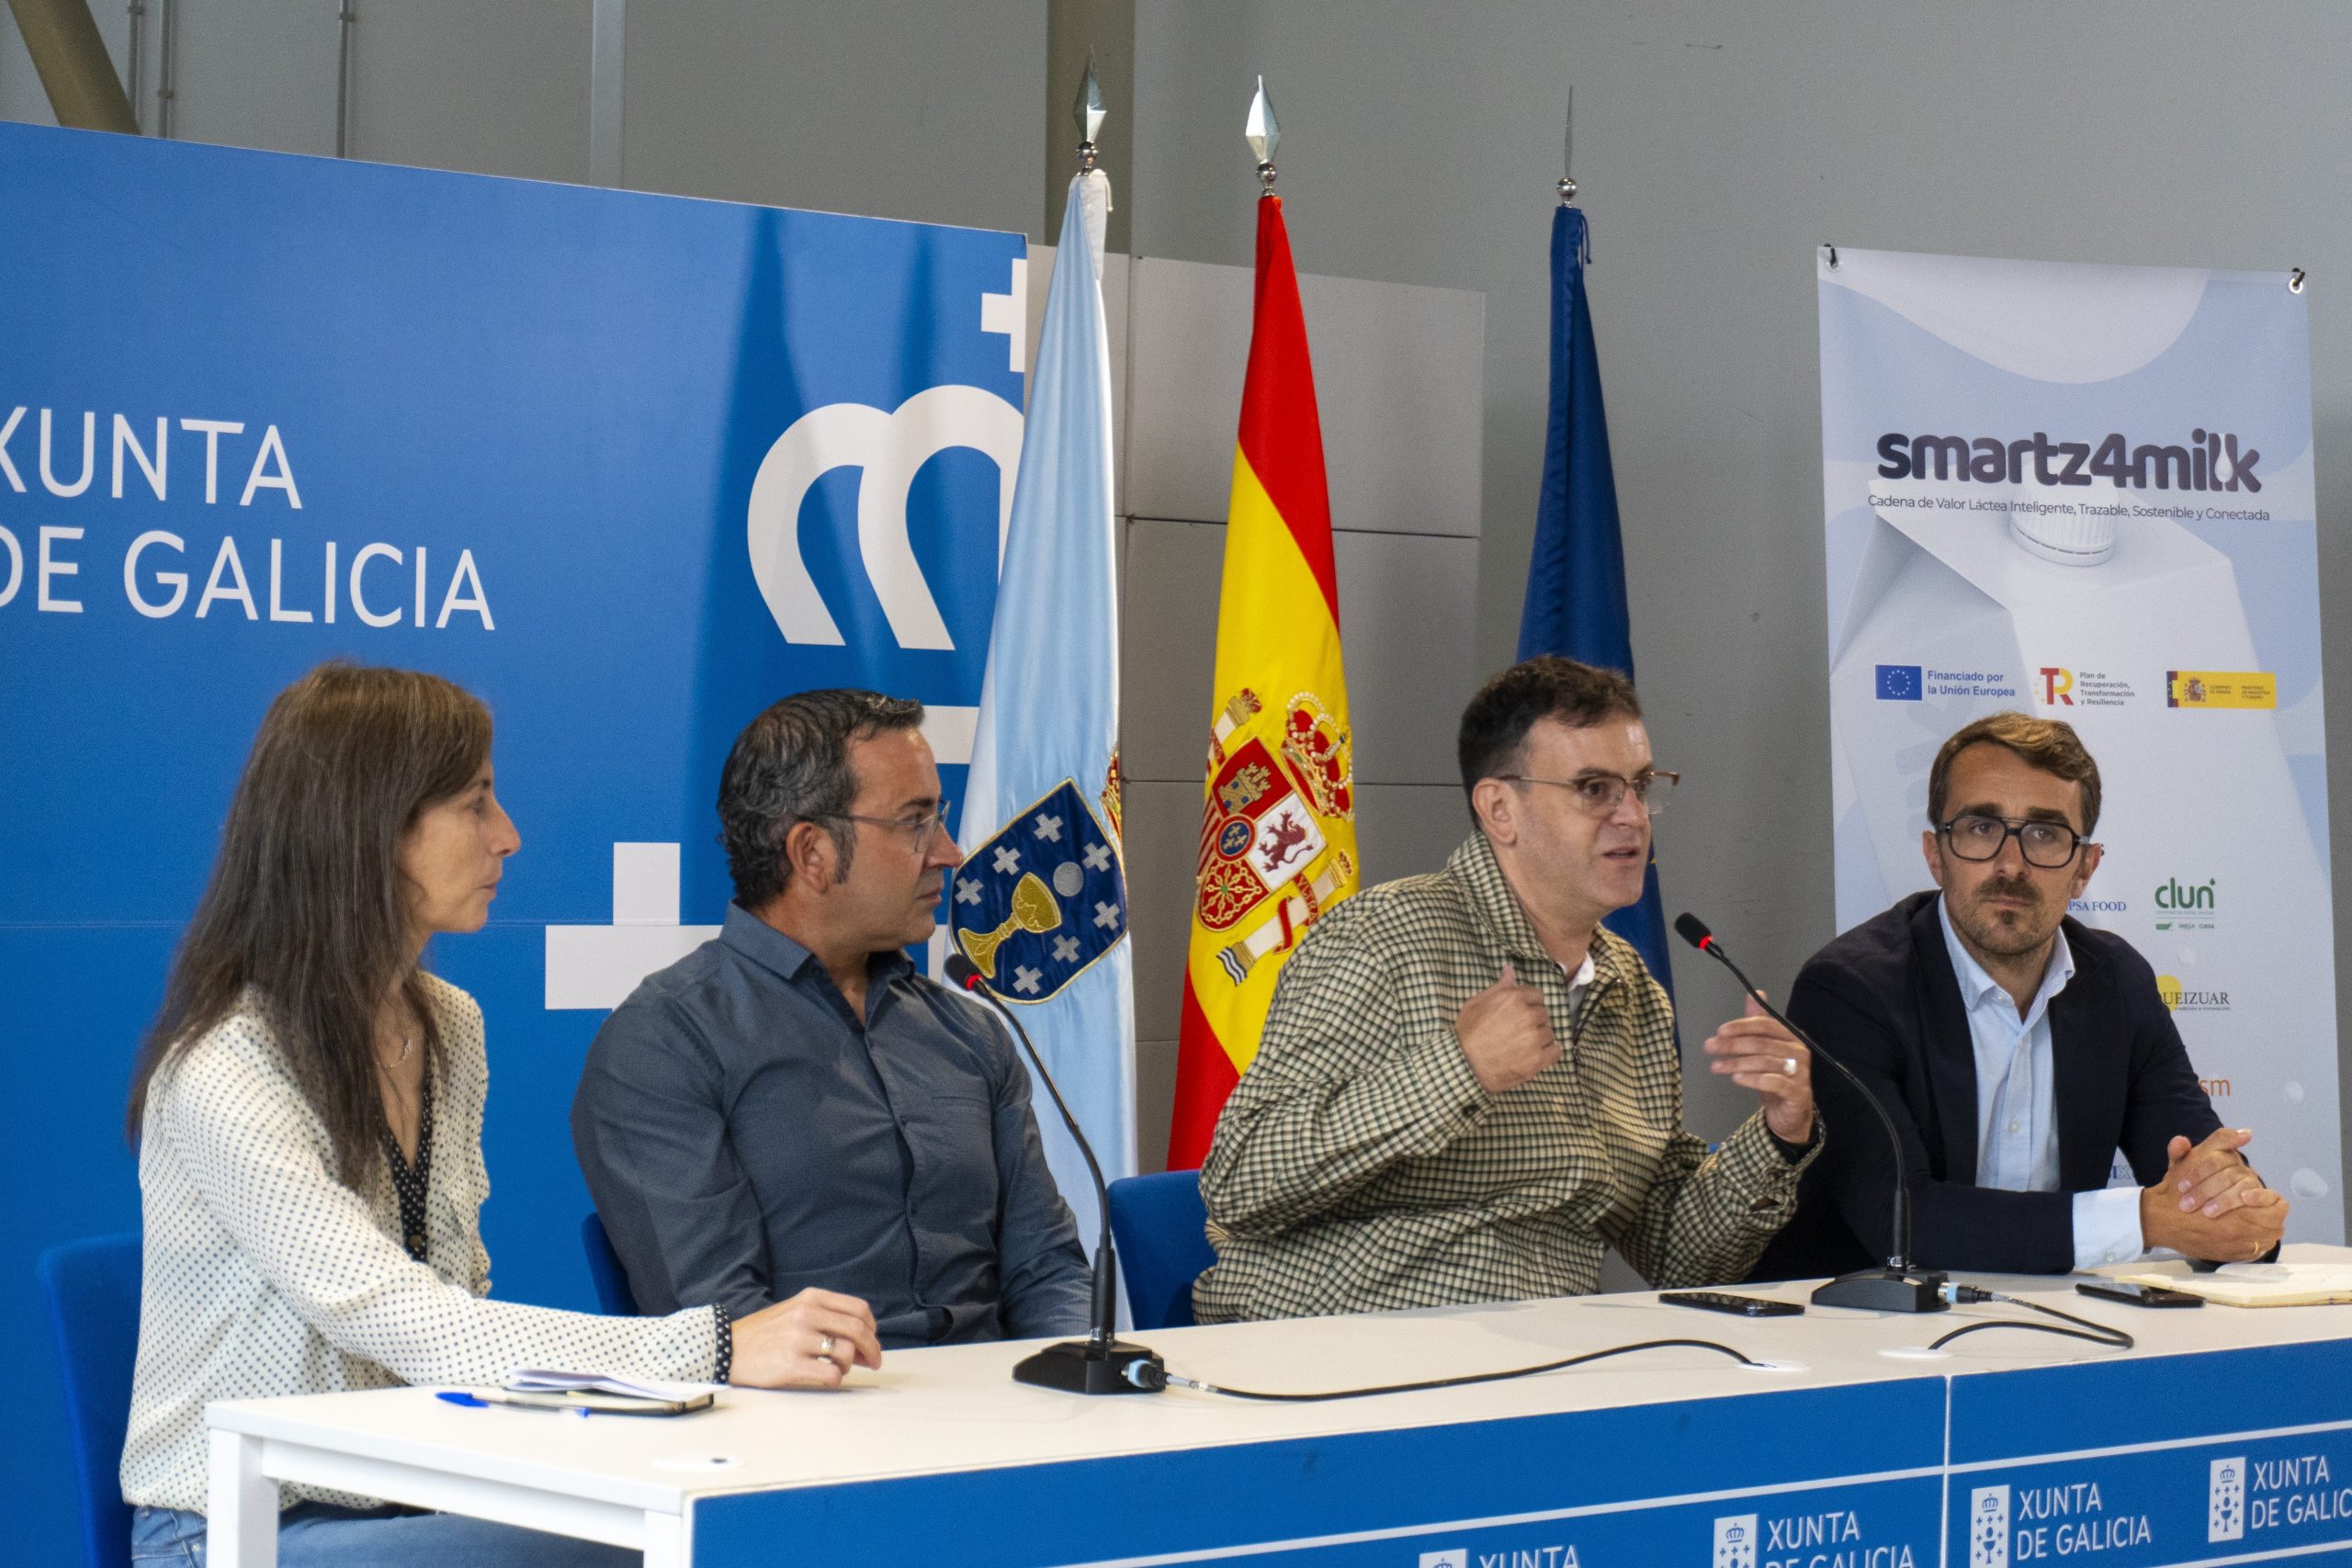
x,y
2099,1333
1466,1378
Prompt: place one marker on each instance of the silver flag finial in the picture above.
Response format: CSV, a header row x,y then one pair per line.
x,y
1262,134
1568,186
1088,112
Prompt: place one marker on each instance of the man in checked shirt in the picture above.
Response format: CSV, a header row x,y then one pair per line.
x,y
1466,1087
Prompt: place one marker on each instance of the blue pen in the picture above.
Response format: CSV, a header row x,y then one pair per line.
x,y
476,1401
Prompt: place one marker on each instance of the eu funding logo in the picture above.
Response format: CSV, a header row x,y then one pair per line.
x,y
1914,683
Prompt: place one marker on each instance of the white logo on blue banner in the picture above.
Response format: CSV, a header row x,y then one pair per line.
x,y
2086,492
1735,1541
1989,1527
628,466
2225,1500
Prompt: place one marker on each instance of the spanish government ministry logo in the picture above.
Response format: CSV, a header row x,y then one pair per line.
x,y
1036,906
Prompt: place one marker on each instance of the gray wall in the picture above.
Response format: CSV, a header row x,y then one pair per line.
x,y
895,108
1718,143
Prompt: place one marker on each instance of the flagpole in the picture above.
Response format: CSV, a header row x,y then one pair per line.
x,y
1568,186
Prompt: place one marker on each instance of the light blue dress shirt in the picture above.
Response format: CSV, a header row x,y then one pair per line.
x,y
2017,1123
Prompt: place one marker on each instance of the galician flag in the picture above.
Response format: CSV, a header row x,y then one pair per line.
x,y
1040,903
1576,576
1278,830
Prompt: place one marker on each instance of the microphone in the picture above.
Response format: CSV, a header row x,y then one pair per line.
x,y
1898,1287
1101,1362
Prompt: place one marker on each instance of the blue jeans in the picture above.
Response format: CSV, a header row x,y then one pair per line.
x,y
313,1535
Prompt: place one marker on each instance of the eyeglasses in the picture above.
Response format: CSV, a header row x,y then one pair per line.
x,y
2046,844
1599,792
918,829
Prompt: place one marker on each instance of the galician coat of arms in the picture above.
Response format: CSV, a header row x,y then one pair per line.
x,y
1036,905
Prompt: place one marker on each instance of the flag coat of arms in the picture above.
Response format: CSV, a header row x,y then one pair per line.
x,y
1278,835
1040,903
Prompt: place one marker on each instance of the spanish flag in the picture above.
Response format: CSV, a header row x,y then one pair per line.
x,y
1278,831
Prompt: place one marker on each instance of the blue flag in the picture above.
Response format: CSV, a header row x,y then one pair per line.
x,y
1576,580
1040,902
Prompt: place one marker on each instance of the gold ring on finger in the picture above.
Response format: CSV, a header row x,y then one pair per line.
x,y
1789,1068
825,1348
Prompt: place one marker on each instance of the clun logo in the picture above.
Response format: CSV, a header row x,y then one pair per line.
x,y
2197,896
1735,1542
2057,686
1989,1527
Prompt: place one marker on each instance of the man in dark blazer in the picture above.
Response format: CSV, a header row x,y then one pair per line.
x,y
2016,1049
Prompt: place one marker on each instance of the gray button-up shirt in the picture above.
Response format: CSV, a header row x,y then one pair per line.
x,y
745,1135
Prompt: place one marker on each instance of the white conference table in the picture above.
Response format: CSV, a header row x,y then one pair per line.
x,y
1853,1452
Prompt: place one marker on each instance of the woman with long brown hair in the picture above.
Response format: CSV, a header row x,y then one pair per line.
x,y
308,1111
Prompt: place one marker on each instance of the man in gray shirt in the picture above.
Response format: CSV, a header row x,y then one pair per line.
x,y
791,1104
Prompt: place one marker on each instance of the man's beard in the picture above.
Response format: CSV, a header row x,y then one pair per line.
x,y
2006,934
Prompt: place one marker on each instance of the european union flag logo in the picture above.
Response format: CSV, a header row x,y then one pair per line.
x,y
1900,684
1038,903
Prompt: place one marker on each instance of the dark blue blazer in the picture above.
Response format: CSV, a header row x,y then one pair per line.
x,y
1883,999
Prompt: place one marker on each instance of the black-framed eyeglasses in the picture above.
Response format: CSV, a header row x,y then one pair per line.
x,y
1599,792
918,829
2047,844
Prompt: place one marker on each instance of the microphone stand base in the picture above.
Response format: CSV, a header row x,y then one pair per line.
x,y
1885,1290
1086,1366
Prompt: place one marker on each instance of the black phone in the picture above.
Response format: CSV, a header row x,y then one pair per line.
x,y
1740,1306
2139,1295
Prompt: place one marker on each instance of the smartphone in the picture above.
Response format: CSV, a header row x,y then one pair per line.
x,y
1741,1306
609,1404
2139,1295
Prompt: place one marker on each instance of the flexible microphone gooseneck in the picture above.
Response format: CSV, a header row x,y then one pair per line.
x,y
1101,1362
1898,1287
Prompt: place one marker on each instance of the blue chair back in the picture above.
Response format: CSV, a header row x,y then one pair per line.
x,y
1159,1223
91,1289
613,1297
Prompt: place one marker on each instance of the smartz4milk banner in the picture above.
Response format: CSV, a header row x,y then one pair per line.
x,y
2086,492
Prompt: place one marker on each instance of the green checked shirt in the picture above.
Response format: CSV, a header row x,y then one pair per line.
x,y
1360,1166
